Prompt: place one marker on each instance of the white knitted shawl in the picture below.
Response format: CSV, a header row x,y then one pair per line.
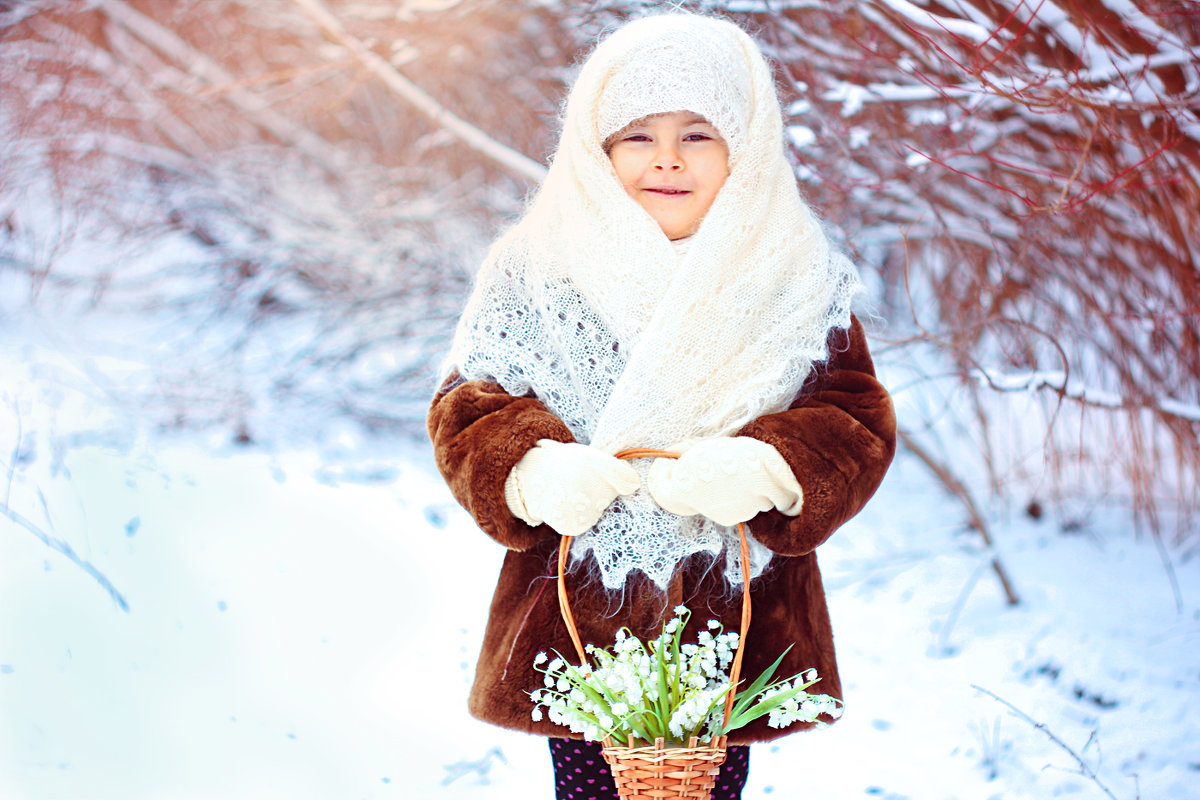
x,y
632,342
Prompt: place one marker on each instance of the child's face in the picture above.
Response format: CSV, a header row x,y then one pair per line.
x,y
673,165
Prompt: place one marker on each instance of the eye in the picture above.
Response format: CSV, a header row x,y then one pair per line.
x,y
636,137
702,135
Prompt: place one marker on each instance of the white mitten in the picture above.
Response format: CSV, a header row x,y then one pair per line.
x,y
567,485
728,480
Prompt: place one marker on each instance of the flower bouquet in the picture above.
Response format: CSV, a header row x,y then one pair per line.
x,y
659,699
666,689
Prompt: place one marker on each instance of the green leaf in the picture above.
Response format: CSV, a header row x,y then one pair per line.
x,y
677,696
748,695
764,707
664,700
580,681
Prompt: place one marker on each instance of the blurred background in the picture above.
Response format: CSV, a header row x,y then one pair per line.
x,y
300,191
251,226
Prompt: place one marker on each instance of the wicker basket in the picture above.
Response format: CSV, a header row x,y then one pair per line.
x,y
661,771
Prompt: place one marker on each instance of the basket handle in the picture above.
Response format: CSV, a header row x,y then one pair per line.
x,y
564,605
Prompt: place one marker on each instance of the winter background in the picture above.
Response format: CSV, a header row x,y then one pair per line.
x,y
234,237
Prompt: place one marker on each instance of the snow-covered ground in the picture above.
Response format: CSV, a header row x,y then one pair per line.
x,y
305,626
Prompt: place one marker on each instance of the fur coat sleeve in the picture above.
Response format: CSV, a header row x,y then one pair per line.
x,y
479,434
838,437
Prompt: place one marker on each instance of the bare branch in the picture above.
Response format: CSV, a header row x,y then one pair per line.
x,y
200,66
1056,382
1084,769
473,137
68,551
956,488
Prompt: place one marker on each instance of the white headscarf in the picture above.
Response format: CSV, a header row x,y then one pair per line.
x,y
586,304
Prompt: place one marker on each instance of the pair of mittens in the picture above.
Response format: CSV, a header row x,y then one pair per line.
x,y
728,479
567,485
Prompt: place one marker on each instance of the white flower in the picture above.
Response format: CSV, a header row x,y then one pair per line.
x,y
625,676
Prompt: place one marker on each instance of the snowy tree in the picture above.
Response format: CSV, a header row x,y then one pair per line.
x,y
299,191
1024,176
304,235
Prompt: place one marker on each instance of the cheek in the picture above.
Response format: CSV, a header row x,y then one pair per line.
x,y
717,176
624,167
713,169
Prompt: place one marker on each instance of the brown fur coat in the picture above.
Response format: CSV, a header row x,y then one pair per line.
x,y
838,437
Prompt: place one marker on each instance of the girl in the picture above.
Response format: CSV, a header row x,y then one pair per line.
x,y
666,288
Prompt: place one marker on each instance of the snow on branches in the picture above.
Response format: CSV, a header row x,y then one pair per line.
x,y
313,181
1025,177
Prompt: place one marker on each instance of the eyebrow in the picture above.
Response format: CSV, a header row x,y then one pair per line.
x,y
692,119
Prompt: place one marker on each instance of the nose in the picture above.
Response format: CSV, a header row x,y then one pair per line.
x,y
666,158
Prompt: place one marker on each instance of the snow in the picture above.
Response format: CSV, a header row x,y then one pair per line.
x,y
916,160
801,135
853,96
858,137
927,19
1034,380
303,624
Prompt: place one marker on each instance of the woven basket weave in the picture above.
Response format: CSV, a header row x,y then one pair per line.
x,y
660,771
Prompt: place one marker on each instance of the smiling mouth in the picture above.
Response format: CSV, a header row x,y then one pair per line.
x,y
668,191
